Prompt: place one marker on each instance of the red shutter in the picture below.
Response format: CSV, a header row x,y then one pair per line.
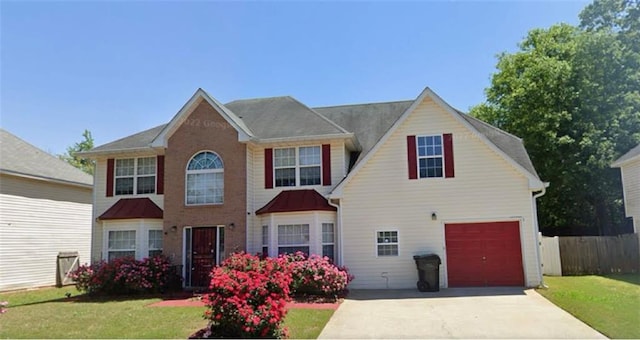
x,y
110,163
326,164
160,175
448,155
412,157
268,168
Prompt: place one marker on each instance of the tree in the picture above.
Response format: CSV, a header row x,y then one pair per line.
x,y
572,94
85,164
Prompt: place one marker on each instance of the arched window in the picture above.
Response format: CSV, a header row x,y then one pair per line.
x,y
205,179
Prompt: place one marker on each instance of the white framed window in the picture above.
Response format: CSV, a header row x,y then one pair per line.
x,y
121,243
297,166
155,242
205,179
135,176
293,238
265,240
328,241
430,156
387,243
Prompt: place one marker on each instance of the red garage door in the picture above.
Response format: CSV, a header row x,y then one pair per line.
x,y
484,254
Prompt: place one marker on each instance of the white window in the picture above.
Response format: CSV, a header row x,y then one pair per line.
x,y
297,166
121,243
328,241
430,156
135,176
205,179
293,238
387,243
265,240
155,243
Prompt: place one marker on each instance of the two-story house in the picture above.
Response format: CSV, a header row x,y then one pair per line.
x,y
367,185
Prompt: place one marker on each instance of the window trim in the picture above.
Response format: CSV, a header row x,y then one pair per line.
x,y
376,244
188,172
266,238
333,243
297,166
308,244
441,156
149,249
141,229
135,176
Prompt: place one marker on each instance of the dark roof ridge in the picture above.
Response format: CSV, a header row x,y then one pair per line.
x,y
362,104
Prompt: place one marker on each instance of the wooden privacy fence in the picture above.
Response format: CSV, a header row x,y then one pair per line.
x,y
580,255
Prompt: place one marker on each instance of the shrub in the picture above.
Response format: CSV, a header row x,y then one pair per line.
x,y
248,298
125,276
316,275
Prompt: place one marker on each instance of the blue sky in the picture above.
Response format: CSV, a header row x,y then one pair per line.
x,y
117,68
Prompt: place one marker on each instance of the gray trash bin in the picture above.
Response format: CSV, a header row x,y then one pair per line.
x,y
428,272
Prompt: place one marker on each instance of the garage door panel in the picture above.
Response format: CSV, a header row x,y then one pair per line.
x,y
484,254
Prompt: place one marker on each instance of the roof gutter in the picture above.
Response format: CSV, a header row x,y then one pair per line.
x,y
536,231
339,225
303,138
93,154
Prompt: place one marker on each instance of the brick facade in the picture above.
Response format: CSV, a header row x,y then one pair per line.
x,y
204,129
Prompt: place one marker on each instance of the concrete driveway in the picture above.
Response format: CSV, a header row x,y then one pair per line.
x,y
453,313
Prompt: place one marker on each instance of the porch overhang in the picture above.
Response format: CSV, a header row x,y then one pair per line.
x,y
128,208
296,200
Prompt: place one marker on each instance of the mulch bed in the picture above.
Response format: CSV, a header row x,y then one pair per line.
x,y
188,300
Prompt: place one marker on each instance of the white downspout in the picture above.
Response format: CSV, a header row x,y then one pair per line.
x,y
339,225
536,231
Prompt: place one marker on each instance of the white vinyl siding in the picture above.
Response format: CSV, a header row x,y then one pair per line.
x,y
132,237
259,196
37,221
102,203
631,185
313,241
486,187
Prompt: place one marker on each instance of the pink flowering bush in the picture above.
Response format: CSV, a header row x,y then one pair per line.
x,y
248,298
316,275
125,276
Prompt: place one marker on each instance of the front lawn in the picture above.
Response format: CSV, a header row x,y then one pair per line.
x,y
610,304
47,313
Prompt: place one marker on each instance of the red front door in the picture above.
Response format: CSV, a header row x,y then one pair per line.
x,y
484,254
203,256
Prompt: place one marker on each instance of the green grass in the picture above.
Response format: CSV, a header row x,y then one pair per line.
x,y
306,323
609,304
46,313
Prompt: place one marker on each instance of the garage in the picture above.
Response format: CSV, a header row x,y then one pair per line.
x,y
484,254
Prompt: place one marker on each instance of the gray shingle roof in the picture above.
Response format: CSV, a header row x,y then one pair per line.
x,y
368,121
282,117
139,140
21,158
633,153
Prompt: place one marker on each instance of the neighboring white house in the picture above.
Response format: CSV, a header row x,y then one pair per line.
x,y
629,165
45,209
